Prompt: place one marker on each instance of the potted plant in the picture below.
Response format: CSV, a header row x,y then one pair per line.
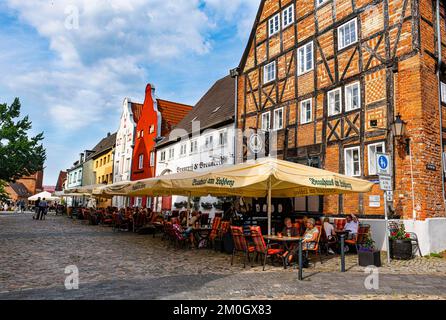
x,y
368,255
400,244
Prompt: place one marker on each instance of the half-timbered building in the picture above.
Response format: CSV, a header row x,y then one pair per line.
x,y
329,77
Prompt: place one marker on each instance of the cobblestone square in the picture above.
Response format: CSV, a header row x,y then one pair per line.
x,y
122,265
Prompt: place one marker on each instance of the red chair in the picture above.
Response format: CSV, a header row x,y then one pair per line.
x,y
339,223
214,232
240,245
361,237
262,248
314,246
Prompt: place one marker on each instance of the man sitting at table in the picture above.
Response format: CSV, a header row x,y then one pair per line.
x,y
352,226
289,229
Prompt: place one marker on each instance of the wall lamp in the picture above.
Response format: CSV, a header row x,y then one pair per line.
x,y
399,130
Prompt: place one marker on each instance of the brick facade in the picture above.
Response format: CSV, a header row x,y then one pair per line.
x,y
394,62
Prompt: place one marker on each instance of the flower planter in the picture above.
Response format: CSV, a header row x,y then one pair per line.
x,y
401,249
369,258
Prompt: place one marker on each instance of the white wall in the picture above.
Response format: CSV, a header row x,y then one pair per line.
x,y
202,160
431,233
124,150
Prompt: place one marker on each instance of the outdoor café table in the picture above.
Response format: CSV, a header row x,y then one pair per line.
x,y
341,235
201,234
286,241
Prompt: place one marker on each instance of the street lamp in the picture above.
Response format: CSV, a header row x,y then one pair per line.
x,y
399,130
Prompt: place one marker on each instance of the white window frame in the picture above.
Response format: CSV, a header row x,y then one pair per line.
x,y
141,162
348,101
267,115
223,138
331,104
152,159
272,24
320,2
183,150
372,159
303,54
209,142
349,172
267,72
163,156
443,92
286,14
303,113
277,126
194,146
341,41
171,153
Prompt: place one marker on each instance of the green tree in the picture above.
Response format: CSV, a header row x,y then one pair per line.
x,y
19,155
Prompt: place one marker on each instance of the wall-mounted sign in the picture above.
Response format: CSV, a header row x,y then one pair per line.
x,y
431,167
384,164
375,201
385,183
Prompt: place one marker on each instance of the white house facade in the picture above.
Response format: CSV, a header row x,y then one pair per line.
x,y
125,140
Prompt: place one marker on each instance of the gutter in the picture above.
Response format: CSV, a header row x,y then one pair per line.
x,y
440,107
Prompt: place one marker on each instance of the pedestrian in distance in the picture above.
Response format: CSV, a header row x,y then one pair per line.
x,y
36,209
43,207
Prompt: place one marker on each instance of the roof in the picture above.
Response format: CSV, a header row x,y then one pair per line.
x,y
60,180
136,111
173,112
106,144
214,108
20,189
251,36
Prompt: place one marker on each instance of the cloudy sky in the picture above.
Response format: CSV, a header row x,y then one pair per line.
x,y
72,62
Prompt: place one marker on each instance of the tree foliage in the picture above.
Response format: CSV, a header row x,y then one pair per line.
x,y
19,155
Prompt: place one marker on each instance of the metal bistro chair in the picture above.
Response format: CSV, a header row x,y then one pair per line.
x,y
415,244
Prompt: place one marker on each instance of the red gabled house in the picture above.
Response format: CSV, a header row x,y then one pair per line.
x,y
158,118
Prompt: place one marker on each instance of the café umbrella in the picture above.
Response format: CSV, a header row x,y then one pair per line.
x,y
269,177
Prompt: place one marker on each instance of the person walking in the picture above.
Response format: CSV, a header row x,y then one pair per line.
x,y
36,209
43,206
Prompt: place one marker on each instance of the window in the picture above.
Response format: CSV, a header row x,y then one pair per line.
x,y
141,162
306,111
266,121
352,97
278,119
209,143
375,149
183,149
152,159
334,102
288,16
347,34
305,57
269,72
223,138
320,2
163,156
352,162
194,146
274,24
152,129
171,153
443,92
142,133
108,158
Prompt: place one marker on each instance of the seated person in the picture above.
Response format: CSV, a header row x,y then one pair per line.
x,y
352,225
311,235
289,229
310,238
331,235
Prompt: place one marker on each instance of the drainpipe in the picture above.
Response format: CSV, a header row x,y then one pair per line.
x,y
440,108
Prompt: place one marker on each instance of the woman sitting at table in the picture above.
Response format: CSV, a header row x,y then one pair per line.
x,y
331,235
309,239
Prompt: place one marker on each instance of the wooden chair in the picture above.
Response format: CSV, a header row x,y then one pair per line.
x,y
261,248
361,237
240,245
314,246
214,232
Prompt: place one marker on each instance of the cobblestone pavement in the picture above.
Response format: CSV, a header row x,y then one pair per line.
x,y
121,265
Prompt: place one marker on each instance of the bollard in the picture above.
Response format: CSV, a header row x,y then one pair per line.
x,y
342,253
300,261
